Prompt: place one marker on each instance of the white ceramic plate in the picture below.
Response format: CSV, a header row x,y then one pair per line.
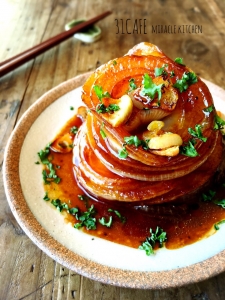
x,y
92,257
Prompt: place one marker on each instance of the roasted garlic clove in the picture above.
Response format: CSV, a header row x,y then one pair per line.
x,y
165,140
120,116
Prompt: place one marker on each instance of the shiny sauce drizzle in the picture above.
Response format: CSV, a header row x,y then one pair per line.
x,y
184,223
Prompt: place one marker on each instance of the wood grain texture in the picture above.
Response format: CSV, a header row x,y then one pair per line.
x,y
25,271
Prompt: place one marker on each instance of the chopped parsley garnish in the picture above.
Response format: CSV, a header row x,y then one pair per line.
x,y
73,211
187,79
179,60
150,88
71,108
219,123
217,225
122,153
114,62
220,202
51,175
87,219
209,108
161,71
118,214
172,74
43,155
102,132
197,133
101,108
149,244
74,130
208,196
189,149
134,140
132,84
106,223
45,177
100,93
46,198
59,204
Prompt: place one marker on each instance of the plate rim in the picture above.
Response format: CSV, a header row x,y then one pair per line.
x,y
108,275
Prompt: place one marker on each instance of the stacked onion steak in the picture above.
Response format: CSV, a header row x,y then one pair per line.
x,y
149,129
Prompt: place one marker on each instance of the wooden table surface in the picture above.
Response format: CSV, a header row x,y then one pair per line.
x,y
25,271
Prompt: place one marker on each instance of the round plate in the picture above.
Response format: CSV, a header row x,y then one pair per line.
x,y
90,256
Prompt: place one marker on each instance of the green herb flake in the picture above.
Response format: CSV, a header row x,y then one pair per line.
x,y
51,175
74,130
147,247
132,84
189,149
46,198
179,60
60,205
103,134
209,109
73,211
161,71
150,88
187,79
114,62
132,140
37,163
172,74
219,123
149,244
57,180
45,177
101,108
208,196
100,93
217,225
197,133
122,153
106,223
43,155
112,108
71,108
87,219
220,202
118,214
